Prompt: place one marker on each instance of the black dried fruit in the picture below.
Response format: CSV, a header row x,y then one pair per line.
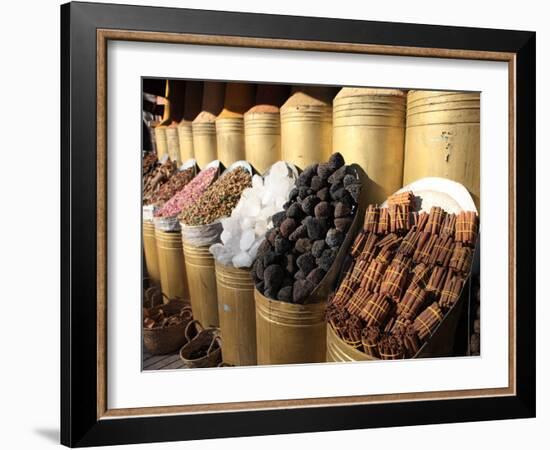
x,y
302,288
295,211
286,205
290,266
334,187
288,280
317,183
306,263
271,293
324,171
341,210
341,195
315,229
285,294
309,203
273,277
323,210
303,245
282,245
288,226
336,161
308,173
293,193
299,275
271,235
349,179
298,233
271,258
278,218
264,247
323,194
334,238
318,247
354,190
338,175
343,223
303,192
260,286
327,258
316,275
259,267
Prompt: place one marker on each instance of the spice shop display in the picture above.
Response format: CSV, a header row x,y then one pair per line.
x,y
200,226
293,271
242,234
407,275
301,248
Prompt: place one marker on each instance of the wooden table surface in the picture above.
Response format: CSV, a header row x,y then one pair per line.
x,y
162,362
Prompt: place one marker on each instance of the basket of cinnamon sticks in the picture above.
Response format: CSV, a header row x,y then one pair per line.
x,y
406,279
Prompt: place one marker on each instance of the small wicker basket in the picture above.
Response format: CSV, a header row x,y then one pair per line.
x,y
204,350
162,340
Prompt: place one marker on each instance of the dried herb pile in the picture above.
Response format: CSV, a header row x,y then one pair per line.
x,y
301,248
408,270
189,194
219,199
174,184
155,178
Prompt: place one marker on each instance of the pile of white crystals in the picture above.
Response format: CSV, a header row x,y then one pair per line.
x,y
244,230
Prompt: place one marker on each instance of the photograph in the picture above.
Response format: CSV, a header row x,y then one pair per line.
x,y
297,224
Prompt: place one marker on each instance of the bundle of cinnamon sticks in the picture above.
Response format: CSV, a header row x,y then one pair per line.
x,y
409,270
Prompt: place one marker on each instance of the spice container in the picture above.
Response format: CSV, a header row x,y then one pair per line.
x,y
239,97
442,138
369,129
192,107
160,139
204,126
288,333
173,279
402,295
150,252
340,351
201,278
172,143
201,228
306,130
237,315
185,140
262,133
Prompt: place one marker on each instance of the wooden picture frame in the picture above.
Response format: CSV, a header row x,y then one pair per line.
x,y
85,30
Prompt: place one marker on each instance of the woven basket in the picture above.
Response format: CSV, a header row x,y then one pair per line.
x,y
202,351
162,340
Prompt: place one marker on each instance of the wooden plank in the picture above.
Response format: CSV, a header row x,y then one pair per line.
x,y
177,364
157,365
155,361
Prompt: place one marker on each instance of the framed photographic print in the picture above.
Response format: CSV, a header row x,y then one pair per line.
x,y
277,224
